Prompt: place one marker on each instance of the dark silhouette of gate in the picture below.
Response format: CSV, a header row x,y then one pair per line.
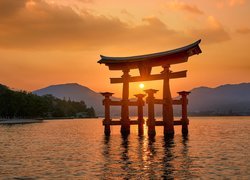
x,y
145,63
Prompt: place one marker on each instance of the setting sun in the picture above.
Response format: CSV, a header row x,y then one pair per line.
x,y
141,86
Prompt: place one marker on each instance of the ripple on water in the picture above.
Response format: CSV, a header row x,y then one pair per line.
x,y
216,148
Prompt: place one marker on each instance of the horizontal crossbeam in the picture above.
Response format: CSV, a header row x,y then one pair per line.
x,y
119,103
135,103
161,123
153,77
174,102
134,122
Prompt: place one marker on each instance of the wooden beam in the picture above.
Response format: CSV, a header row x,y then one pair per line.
x,y
119,103
180,74
153,77
161,123
158,101
116,123
115,103
111,122
177,123
177,102
133,103
135,122
138,78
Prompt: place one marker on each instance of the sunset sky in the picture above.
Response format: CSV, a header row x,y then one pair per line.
x,y
45,42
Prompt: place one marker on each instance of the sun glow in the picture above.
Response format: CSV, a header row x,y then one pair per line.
x,y
141,86
30,4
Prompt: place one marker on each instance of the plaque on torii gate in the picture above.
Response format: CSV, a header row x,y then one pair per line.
x,y
145,63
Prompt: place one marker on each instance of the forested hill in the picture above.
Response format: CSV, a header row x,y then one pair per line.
x,y
75,92
22,104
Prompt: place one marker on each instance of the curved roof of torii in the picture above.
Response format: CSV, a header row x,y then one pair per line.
x,y
187,51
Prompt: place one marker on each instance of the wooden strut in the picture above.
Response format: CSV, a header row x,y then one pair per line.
x,y
167,107
107,120
125,122
184,117
140,104
151,112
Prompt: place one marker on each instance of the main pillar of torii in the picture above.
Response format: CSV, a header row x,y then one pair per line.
x,y
144,63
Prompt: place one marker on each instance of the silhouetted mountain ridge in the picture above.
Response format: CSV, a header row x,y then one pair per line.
x,y
229,99
224,99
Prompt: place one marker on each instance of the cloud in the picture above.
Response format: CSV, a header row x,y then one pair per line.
x,y
229,3
213,31
10,7
243,30
125,12
40,25
181,6
236,2
43,25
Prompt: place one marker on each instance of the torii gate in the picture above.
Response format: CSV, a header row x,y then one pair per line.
x,y
145,63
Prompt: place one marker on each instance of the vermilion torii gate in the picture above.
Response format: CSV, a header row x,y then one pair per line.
x,y
145,63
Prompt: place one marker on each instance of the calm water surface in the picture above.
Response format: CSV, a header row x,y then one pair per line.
x,y
217,147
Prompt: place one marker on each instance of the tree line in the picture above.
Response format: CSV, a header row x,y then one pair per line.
x,y
22,104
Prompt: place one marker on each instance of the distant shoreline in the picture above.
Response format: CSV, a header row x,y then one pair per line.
x,y
4,121
19,121
67,118
13,121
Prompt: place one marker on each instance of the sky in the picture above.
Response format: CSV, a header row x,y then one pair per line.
x,y
45,42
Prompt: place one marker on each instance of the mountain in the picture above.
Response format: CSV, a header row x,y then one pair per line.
x,y
223,100
75,92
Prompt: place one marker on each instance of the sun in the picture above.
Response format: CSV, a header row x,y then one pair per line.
x,y
141,86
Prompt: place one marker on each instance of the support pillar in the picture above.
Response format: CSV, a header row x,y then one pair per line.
x,y
151,112
125,122
167,107
184,118
107,120
140,104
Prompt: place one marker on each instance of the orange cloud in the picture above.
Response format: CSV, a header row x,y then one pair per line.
x,y
181,6
10,7
236,2
230,3
213,31
243,30
39,25
125,12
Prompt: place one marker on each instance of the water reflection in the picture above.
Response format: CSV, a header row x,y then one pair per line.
x,y
106,155
73,150
168,157
145,157
125,162
186,160
150,155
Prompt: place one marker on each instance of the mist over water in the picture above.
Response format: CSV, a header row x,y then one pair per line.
x,y
217,147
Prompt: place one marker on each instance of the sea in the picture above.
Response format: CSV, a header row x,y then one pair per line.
x,y
216,148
